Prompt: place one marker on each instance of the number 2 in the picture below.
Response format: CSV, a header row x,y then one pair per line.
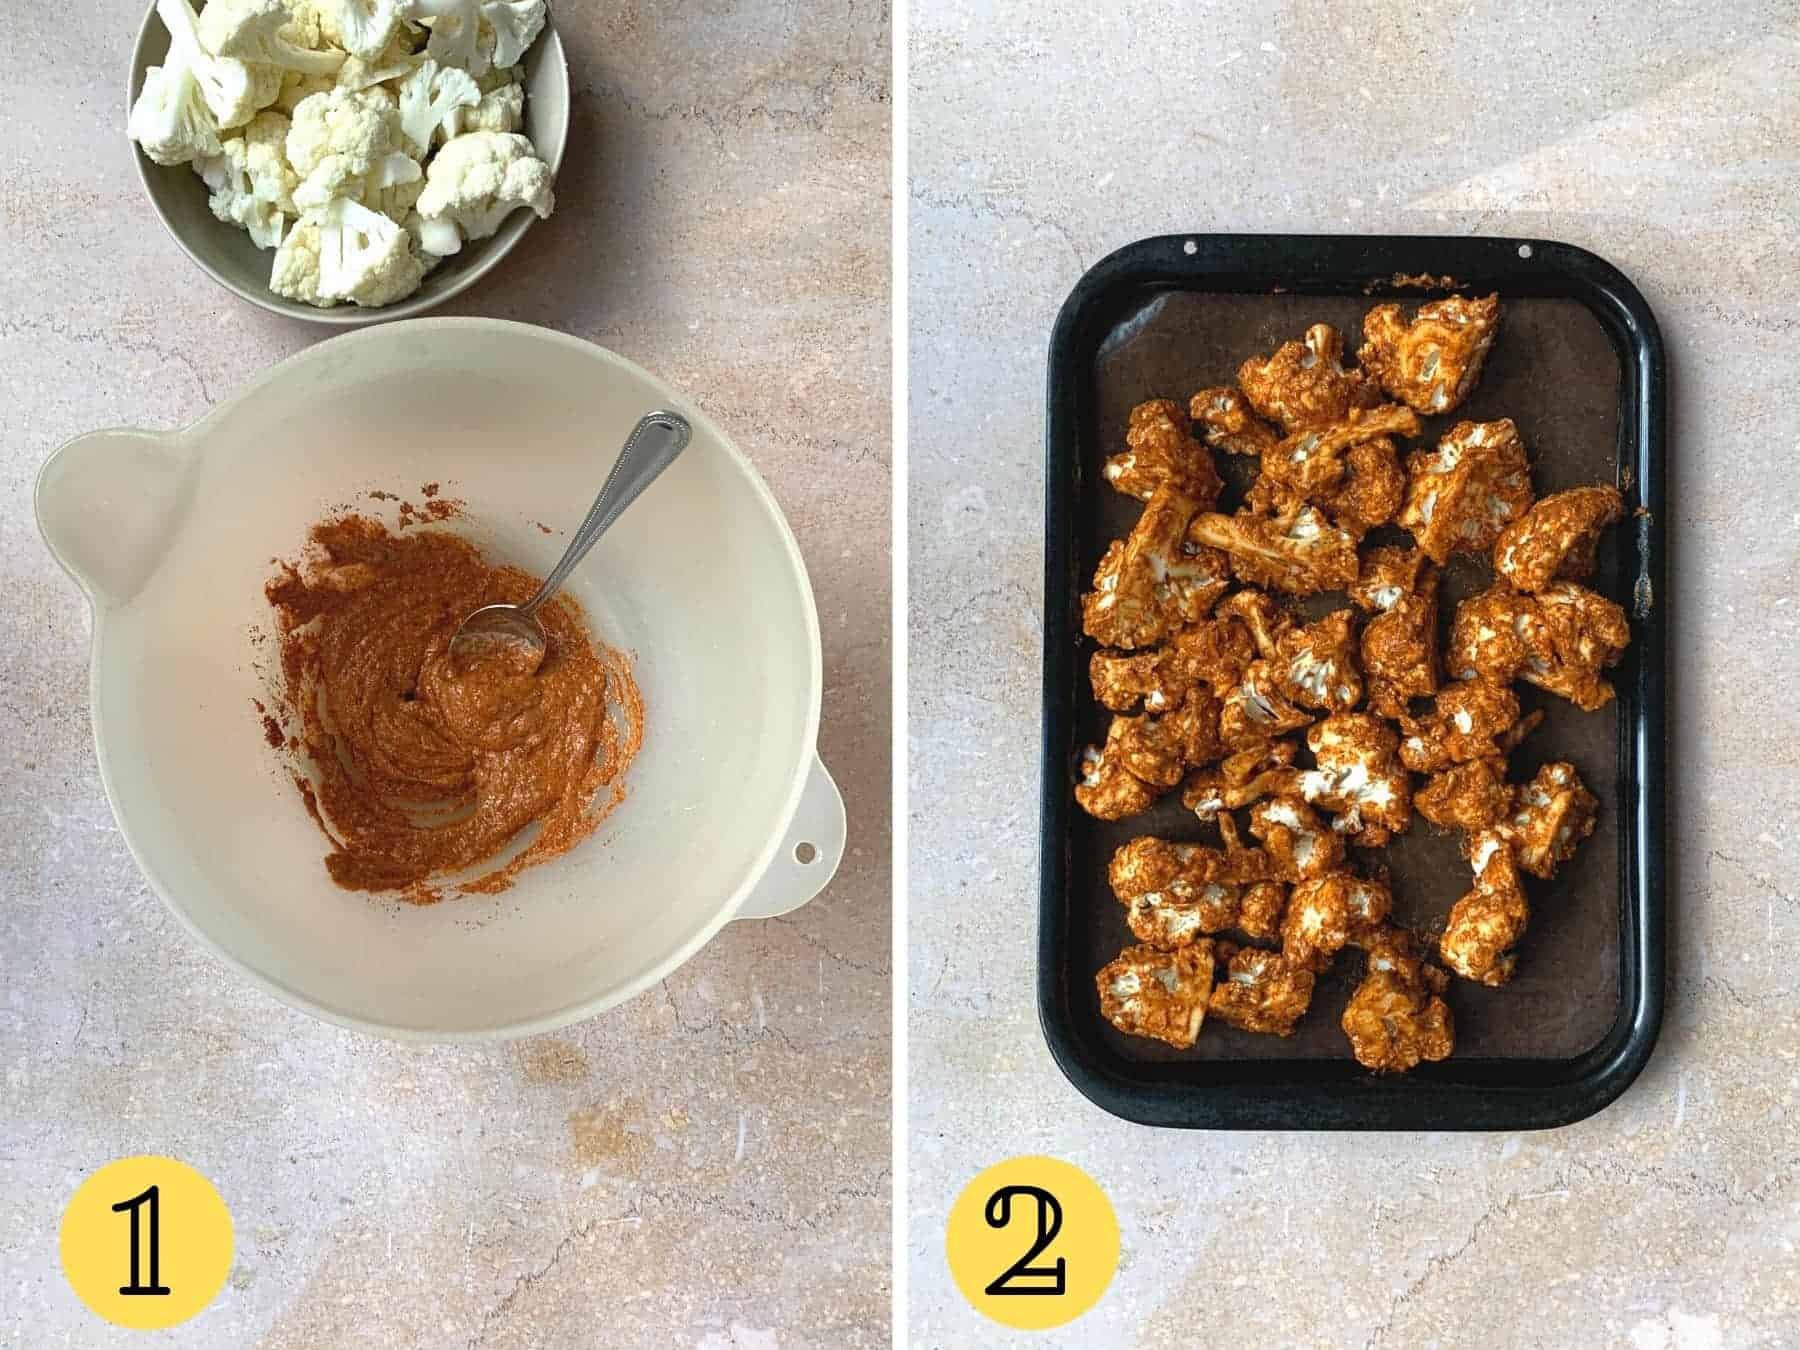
x,y
151,1221
1013,1279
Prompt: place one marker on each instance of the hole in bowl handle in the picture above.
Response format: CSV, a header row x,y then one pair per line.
x,y
809,854
108,505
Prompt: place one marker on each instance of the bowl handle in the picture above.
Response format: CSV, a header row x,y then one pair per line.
x,y
108,504
817,832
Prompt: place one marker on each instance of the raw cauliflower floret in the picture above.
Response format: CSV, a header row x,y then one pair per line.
x,y
1160,451
1559,639
1261,991
1468,721
295,271
1397,1016
1265,769
1550,817
296,88
514,26
1226,423
170,119
1304,384
344,251
261,32
340,139
1460,496
1432,363
396,61
478,180
1557,538
239,197
1153,581
235,91
1160,995
430,98
1487,923
363,28
1329,913
1317,664
500,110
1105,788
1400,641
1359,777
1299,551
1292,834
1472,796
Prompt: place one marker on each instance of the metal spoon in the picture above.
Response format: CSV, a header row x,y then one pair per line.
x,y
652,447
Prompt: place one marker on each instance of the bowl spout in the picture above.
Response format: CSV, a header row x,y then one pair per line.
x,y
108,505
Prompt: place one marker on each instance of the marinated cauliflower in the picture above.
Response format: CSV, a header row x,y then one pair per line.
x,y
1260,910
1304,384
1261,991
1299,843
1160,451
1461,495
1400,642
1256,709
1432,363
1174,893
1557,538
1468,720
1316,664
1329,913
1471,796
1159,749
1313,462
1559,639
1487,923
1397,1017
1157,994
1298,550
1106,789
1550,817
1153,581
1359,777
1226,423
1212,654
1263,770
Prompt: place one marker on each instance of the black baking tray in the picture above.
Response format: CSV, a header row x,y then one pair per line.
x,y
1579,365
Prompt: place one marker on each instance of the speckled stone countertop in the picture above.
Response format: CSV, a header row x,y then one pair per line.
x,y
1662,137
705,1166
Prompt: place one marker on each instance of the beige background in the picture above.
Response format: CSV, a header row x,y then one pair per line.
x,y
1666,137
706,1166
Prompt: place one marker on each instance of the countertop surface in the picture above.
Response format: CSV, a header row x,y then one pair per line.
x,y
1660,136
707,1165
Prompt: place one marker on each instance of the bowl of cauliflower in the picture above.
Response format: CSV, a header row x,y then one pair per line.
x,y
349,161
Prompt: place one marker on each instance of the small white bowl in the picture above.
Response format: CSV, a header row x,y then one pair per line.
x,y
227,255
729,813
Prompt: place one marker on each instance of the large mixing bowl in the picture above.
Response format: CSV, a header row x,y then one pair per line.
x,y
729,812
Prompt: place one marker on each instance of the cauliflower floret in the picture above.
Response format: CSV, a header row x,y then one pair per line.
x,y
360,255
1106,789
1213,653
296,88
1256,709
1559,639
1397,1016
1161,995
1557,538
170,119
1304,384
1160,451
478,180
1160,749
1263,770
1461,495
1226,423
363,28
515,25
500,110
1550,817
1330,912
1151,582
1432,363
338,141
1400,643
234,197
295,272
1262,991
429,98
1317,665
1472,796
1466,722
259,31
1359,777
1173,893
1260,910
1487,923
394,62
1296,839
235,91
1314,462
1373,488
1298,551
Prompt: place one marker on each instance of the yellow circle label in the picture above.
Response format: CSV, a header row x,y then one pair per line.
x,y
146,1242
1032,1242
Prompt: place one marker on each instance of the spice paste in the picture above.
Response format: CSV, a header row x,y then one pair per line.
x,y
415,769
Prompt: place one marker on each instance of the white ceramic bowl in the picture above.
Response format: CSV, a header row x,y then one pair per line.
x,y
230,257
170,535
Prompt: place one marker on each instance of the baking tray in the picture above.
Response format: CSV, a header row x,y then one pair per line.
x,y
1579,366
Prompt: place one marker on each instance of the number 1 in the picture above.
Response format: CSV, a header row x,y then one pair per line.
x,y
131,1207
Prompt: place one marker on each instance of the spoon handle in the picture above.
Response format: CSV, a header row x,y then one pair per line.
x,y
652,447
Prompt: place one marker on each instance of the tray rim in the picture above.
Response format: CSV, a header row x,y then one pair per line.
x,y
1331,1094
